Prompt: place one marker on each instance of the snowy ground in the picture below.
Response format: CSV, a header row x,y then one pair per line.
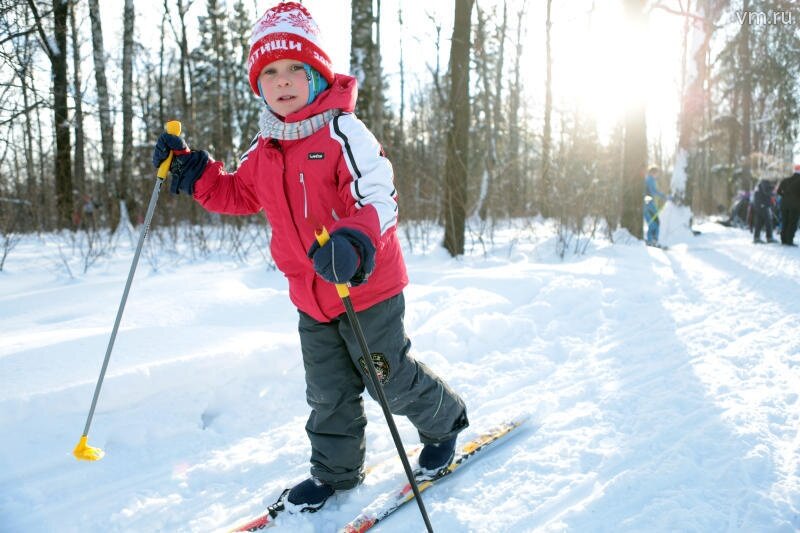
x,y
663,388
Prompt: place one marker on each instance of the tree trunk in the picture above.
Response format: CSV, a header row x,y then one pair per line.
x,y
25,59
187,89
56,50
79,164
214,21
545,185
522,198
64,201
377,101
104,106
747,95
401,133
162,49
634,162
365,65
456,166
693,105
500,122
487,127
126,168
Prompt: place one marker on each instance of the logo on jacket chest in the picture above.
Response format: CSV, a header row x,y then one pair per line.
x,y
316,155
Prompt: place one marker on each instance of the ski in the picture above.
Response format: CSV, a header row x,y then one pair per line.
x,y
269,518
389,502
266,520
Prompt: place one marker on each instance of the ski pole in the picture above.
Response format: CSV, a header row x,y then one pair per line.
x,y
344,293
83,451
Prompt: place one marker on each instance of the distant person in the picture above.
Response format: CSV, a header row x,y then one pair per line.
x,y
789,190
651,207
88,211
762,210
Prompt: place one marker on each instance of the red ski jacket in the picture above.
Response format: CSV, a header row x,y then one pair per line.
x,y
336,176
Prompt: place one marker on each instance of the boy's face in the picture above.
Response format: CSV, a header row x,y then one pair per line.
x,y
285,86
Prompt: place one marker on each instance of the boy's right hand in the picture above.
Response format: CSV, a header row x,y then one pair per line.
x,y
168,143
187,165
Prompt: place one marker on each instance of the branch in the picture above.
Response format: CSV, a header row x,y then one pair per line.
x,y
21,112
45,43
681,12
15,35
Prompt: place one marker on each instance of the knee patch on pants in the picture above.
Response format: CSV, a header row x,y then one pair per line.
x,y
382,367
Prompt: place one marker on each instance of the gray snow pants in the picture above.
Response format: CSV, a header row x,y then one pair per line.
x,y
335,379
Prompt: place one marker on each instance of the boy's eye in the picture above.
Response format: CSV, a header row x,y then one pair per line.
x,y
295,68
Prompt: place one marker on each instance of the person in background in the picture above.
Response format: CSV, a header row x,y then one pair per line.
x,y
762,210
651,206
789,190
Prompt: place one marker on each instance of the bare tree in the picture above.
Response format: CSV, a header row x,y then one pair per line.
x,y
365,63
125,191
246,108
489,64
545,184
456,166
56,50
485,97
747,92
104,105
694,98
514,127
187,85
634,160
79,173
401,130
22,62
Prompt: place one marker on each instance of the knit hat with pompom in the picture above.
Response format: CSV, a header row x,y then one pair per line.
x,y
286,31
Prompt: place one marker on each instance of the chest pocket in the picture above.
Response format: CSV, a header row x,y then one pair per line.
x,y
316,182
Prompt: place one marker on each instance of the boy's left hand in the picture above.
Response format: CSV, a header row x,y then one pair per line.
x,y
348,257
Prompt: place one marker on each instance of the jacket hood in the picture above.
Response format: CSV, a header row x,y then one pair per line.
x,y
340,95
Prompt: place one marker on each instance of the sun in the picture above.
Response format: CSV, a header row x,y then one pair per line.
x,y
602,65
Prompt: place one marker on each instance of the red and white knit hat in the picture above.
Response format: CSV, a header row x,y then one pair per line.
x,y
286,31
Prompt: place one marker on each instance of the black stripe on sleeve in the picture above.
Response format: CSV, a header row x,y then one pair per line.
x,y
349,152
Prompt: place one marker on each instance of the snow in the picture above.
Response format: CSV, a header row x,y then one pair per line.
x,y
680,173
675,224
662,385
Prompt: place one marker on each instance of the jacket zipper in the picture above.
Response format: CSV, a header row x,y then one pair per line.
x,y
305,196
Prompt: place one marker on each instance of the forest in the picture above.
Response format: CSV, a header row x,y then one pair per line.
x,y
480,128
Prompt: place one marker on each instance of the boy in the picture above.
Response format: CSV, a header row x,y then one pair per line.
x,y
315,164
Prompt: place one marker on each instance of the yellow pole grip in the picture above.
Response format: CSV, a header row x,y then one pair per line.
x,y
173,127
323,237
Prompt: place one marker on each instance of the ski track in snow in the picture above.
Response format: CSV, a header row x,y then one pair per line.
x,y
663,389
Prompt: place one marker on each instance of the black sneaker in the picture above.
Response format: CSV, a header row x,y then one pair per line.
x,y
435,457
308,496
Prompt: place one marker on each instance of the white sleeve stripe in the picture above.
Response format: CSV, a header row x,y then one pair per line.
x,y
373,178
